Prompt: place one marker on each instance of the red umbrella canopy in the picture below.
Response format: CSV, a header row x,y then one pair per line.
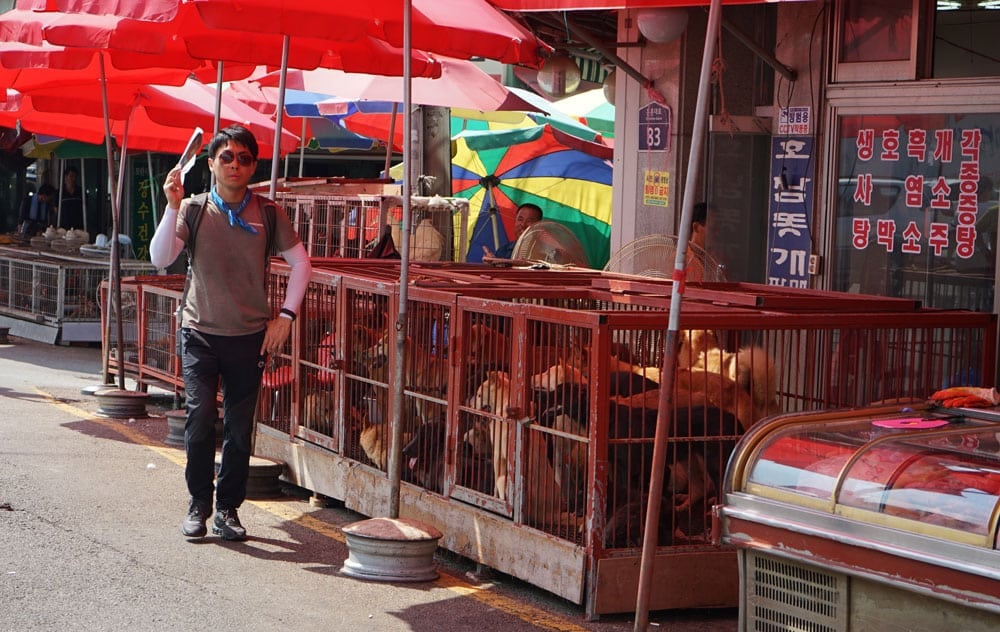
x,y
186,106
25,67
458,28
566,5
186,41
143,133
462,85
34,29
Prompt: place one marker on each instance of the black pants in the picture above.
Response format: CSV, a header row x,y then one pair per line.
x,y
235,361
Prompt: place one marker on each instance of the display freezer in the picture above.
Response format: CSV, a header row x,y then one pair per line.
x,y
878,518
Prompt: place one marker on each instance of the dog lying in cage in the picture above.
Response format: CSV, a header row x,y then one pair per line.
x,y
425,461
743,382
702,436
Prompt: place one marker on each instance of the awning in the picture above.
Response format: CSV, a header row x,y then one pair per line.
x,y
591,5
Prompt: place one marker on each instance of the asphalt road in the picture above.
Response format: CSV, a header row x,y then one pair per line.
x,y
90,510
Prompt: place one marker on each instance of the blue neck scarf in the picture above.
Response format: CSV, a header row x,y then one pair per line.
x,y
234,215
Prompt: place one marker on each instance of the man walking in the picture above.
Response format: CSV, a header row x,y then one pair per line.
x,y
226,329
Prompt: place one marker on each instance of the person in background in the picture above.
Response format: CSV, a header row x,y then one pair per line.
x,y
71,200
226,329
38,210
527,214
699,234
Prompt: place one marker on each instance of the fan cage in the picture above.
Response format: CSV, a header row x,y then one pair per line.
x,y
654,256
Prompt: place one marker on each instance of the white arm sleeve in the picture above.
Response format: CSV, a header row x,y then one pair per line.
x,y
298,259
165,244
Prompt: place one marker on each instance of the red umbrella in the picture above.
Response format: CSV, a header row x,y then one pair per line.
x,y
18,111
458,28
34,29
149,109
187,35
462,85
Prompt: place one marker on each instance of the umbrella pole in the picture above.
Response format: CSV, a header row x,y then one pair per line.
x,y
392,134
279,118
217,118
115,273
83,191
62,178
490,182
302,148
152,185
665,403
396,447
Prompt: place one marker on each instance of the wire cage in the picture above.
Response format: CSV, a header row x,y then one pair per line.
x,y
347,220
54,297
530,400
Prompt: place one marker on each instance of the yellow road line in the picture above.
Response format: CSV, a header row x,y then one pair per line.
x,y
286,511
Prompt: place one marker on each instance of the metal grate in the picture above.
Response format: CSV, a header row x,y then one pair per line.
x,y
334,225
785,596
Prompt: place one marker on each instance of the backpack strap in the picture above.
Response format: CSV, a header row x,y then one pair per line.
x,y
192,219
270,227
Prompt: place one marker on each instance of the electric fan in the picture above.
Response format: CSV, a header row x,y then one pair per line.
x,y
550,242
653,256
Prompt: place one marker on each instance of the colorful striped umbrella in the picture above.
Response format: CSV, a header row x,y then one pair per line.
x,y
569,178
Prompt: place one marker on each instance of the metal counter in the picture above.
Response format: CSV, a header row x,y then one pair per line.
x,y
877,518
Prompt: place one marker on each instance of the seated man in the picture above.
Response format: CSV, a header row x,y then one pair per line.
x,y
38,211
527,214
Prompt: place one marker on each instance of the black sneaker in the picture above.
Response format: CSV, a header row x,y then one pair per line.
x,y
194,524
227,524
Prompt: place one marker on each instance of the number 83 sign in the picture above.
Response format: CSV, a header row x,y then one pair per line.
x,y
654,127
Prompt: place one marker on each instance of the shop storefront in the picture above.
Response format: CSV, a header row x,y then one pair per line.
x,y
852,146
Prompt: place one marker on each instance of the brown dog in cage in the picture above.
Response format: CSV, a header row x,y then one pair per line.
x,y
543,503
424,373
743,382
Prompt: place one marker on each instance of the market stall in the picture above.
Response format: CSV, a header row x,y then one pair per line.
x,y
878,518
54,296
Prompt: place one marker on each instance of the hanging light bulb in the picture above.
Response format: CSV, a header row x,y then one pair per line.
x,y
559,75
662,25
609,86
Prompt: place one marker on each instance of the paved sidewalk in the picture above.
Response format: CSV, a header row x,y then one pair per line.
x,y
90,510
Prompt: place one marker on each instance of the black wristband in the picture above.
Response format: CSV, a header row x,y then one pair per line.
x,y
288,312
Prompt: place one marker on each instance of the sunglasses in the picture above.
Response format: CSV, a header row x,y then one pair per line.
x,y
244,158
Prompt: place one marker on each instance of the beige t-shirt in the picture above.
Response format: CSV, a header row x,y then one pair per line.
x,y
228,291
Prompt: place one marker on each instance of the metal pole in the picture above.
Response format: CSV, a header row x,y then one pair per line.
x,y
279,119
83,190
396,448
114,275
392,134
302,147
152,186
665,403
62,188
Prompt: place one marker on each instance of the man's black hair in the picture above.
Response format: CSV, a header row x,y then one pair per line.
x,y
237,134
46,189
534,207
700,213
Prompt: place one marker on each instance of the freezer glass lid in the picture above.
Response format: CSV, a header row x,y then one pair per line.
x,y
862,461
